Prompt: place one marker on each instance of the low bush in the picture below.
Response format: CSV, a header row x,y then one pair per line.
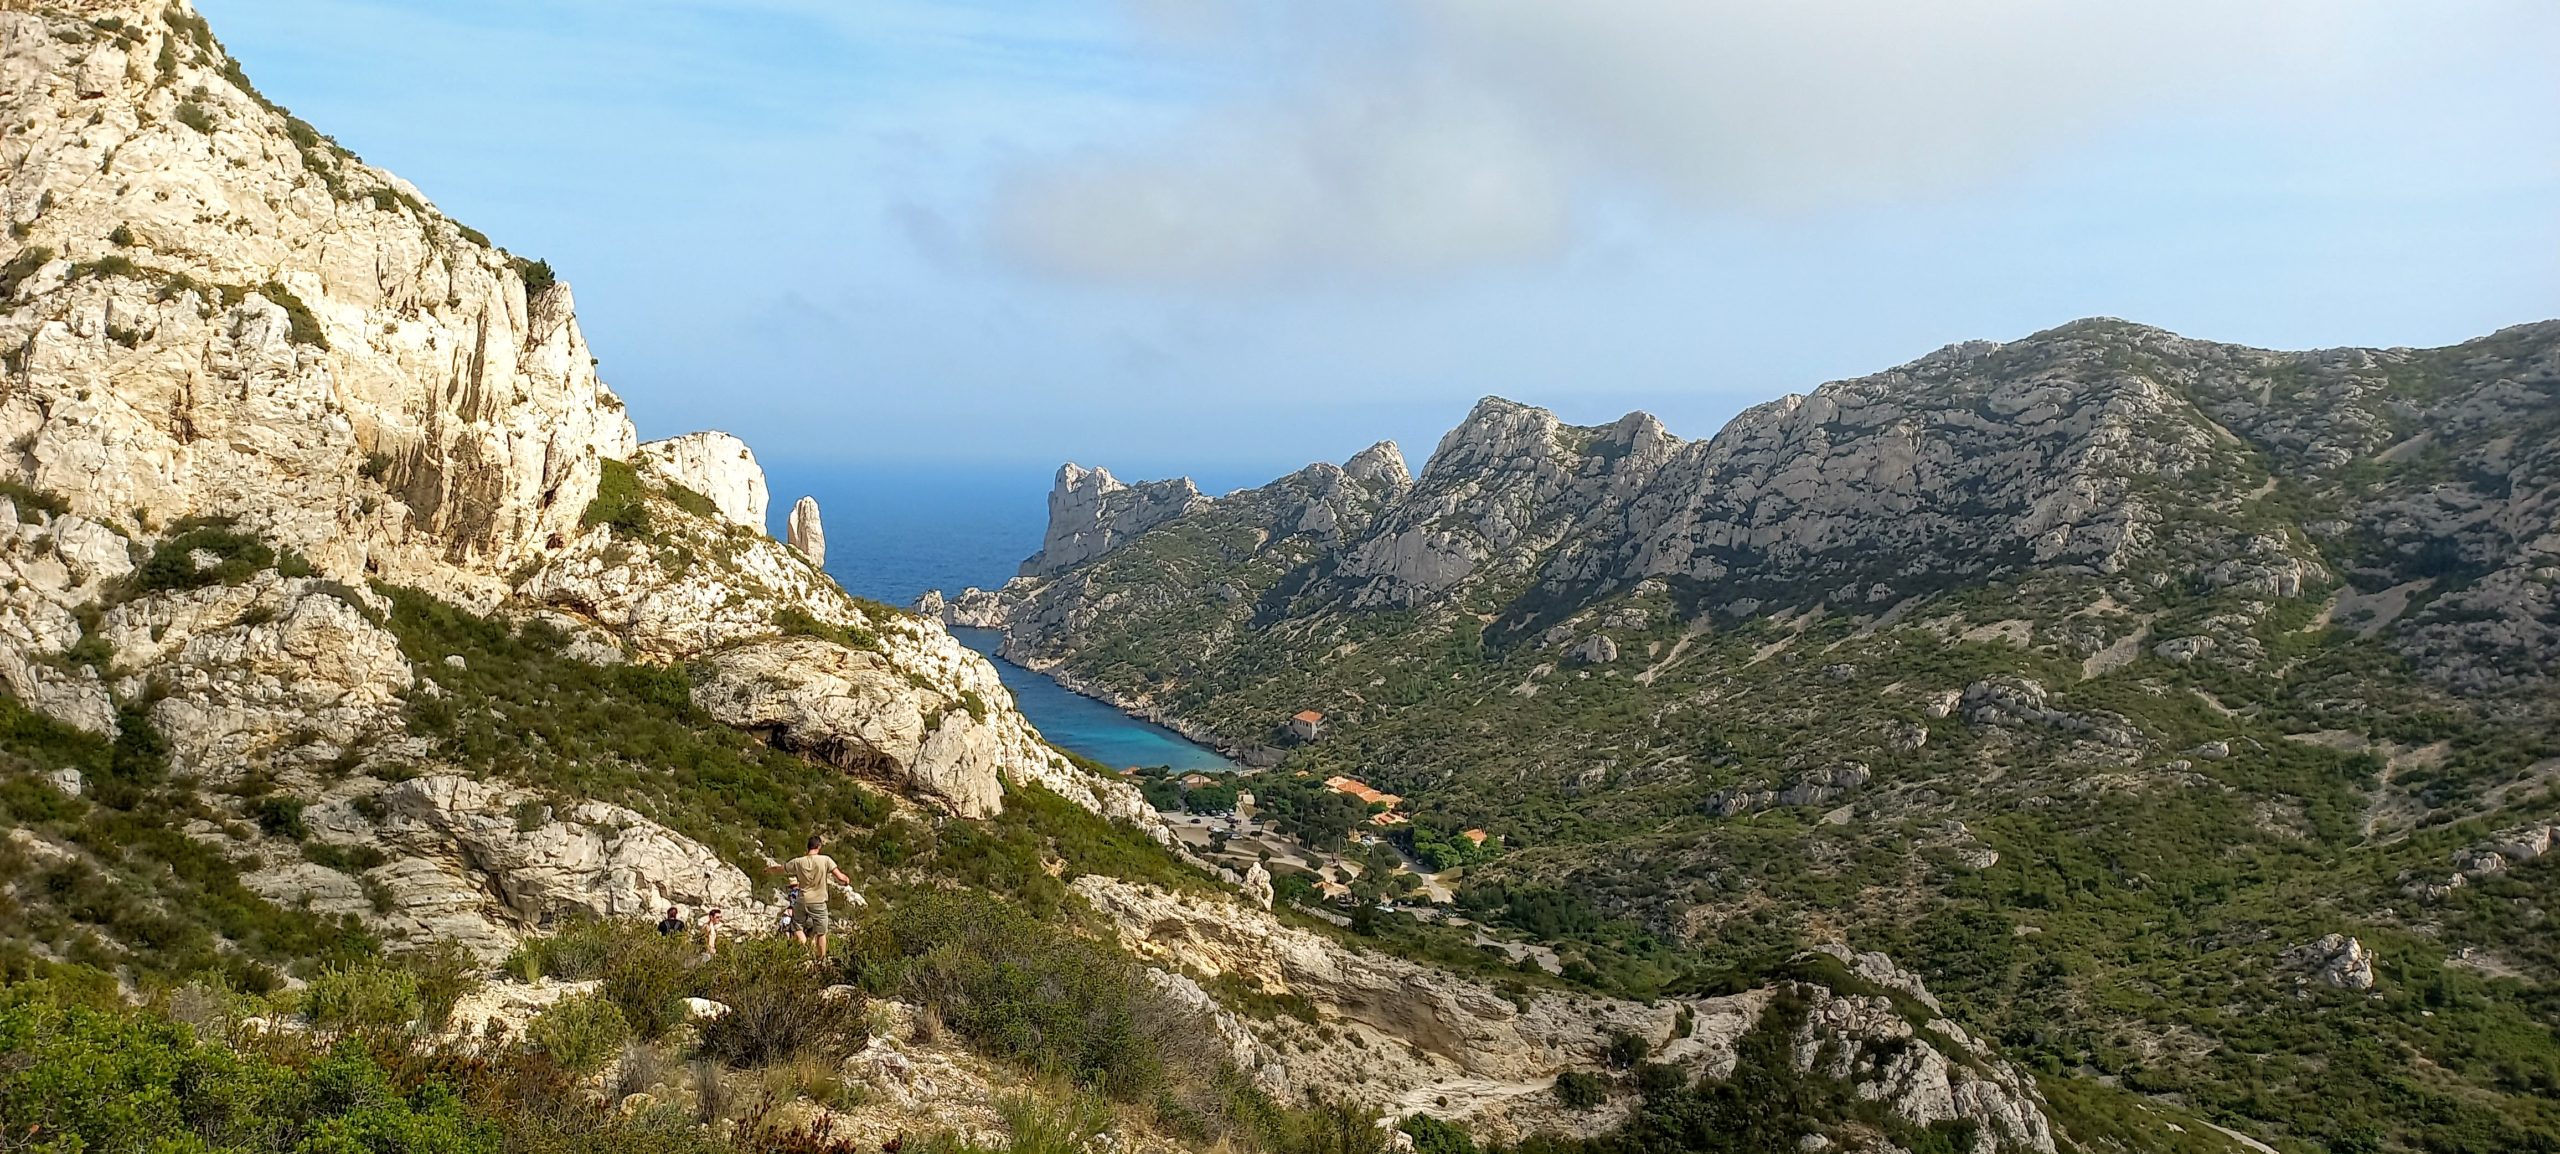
x,y
363,998
581,1032
577,953
647,978
1033,993
1581,1090
234,558
779,1008
446,975
620,501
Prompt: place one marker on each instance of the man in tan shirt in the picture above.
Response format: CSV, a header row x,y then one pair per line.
x,y
811,872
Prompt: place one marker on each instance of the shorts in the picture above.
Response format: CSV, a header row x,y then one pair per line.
x,y
811,916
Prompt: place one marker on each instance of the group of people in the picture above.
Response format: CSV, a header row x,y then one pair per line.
x,y
804,914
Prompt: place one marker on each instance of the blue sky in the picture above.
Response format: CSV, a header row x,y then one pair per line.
x,y
1230,237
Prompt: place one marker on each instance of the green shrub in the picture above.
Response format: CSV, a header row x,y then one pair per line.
x,y
26,264
648,978
1627,1049
1433,1136
581,1032
194,116
538,277
778,1007
81,1077
366,998
578,952
31,500
445,974
121,236
619,502
282,817
1581,1089
796,622
237,557
1030,992
303,328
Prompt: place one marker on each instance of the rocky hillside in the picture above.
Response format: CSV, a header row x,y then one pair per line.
x,y
261,399
2104,674
352,644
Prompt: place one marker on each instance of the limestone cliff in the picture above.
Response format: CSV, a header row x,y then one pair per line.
x,y
248,377
1091,513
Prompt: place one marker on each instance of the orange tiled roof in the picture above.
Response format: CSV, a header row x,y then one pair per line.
x,y
1474,835
1307,715
1362,790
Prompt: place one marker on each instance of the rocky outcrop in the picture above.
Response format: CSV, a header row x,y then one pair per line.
x,y
539,860
50,566
971,608
294,339
276,670
717,466
1469,1052
218,320
1091,513
854,710
806,533
480,863
2336,961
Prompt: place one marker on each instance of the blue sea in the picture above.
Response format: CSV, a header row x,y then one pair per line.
x,y
893,533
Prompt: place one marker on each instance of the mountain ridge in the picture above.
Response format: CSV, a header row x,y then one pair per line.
x,y
1898,662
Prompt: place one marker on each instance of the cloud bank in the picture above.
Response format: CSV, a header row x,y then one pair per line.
x,y
1418,137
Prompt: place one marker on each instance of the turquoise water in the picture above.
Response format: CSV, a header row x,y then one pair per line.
x,y
1089,727
894,533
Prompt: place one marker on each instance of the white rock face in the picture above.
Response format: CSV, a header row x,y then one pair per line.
x,y
276,332
854,710
1476,1056
717,466
216,315
277,667
49,566
807,533
594,859
1092,512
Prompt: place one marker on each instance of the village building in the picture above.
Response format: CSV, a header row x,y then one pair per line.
x,y
1307,725
1362,790
1476,836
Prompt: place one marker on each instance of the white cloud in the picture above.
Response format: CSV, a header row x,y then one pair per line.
x,y
1392,176
1419,136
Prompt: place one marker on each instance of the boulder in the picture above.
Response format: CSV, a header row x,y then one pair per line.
x,y
2336,961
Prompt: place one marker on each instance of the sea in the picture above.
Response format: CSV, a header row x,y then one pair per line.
x,y
894,532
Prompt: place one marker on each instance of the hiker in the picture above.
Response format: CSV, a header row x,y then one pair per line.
x,y
810,874
711,933
672,924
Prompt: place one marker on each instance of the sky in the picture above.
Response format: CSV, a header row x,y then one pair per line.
x,y
1228,237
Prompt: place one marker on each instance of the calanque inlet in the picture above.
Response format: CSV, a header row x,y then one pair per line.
x,y
2103,741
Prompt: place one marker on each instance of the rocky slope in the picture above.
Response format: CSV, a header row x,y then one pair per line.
x,y
1406,1037
1891,661
251,380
